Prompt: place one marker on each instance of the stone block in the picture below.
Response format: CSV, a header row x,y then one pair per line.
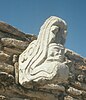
x,y
12,51
4,67
74,91
4,57
10,42
69,98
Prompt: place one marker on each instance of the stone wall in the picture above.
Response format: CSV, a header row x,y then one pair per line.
x,y
12,43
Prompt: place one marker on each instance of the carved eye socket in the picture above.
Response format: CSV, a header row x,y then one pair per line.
x,y
55,29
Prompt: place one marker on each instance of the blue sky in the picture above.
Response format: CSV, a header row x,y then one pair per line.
x,y
29,15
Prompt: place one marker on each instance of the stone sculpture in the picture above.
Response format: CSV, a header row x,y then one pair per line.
x,y
43,60
10,49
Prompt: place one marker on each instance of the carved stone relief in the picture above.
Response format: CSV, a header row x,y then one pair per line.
x,y
43,60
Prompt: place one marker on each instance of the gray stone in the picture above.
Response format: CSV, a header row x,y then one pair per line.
x,y
53,87
79,85
16,73
73,56
80,78
10,31
4,57
6,79
74,91
3,97
1,46
69,98
4,67
15,58
12,51
10,42
18,99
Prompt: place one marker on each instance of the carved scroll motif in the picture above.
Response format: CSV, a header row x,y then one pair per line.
x,y
44,58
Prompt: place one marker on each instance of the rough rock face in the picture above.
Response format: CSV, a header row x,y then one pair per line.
x,y
12,43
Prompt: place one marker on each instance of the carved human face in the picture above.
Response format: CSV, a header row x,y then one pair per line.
x,y
58,34
53,31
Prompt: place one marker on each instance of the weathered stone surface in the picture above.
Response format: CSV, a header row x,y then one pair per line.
x,y
6,28
12,51
79,85
69,98
74,91
53,87
15,59
0,46
6,79
4,57
45,62
10,29
18,99
2,34
3,97
6,68
80,78
74,56
16,72
9,90
9,42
